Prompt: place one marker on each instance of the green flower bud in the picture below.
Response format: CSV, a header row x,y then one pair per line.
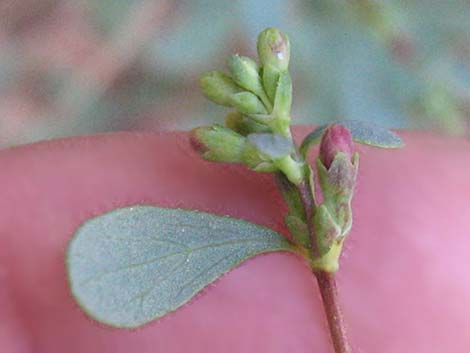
x,y
243,125
218,87
270,79
274,49
245,73
256,160
283,98
299,230
247,103
329,239
217,143
327,231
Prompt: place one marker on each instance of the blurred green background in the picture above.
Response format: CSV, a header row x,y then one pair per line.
x,y
78,67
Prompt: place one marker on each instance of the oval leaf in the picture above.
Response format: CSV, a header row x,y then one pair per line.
x,y
135,264
361,131
372,134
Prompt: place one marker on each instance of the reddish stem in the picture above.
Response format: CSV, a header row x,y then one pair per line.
x,y
329,293
326,281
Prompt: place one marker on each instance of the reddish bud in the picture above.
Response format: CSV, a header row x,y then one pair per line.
x,y
336,138
196,142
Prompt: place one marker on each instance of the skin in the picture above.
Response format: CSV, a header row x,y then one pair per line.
x,y
403,280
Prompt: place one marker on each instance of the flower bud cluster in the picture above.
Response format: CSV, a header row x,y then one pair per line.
x,y
337,166
261,92
257,132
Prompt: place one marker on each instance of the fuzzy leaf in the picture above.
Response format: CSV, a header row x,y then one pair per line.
x,y
372,135
272,145
361,131
135,264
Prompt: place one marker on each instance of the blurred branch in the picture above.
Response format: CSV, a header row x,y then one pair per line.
x,y
92,80
440,102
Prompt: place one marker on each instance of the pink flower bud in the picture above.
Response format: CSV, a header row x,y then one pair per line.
x,y
196,143
336,138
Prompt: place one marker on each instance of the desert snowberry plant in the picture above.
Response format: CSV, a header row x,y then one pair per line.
x,y
135,264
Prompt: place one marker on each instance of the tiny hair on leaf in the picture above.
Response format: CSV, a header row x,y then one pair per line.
x,y
132,265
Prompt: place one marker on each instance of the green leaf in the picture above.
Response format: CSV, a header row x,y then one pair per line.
x,y
361,131
245,73
218,87
372,134
272,145
135,264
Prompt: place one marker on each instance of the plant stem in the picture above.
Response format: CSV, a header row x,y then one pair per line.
x,y
329,293
327,285
326,280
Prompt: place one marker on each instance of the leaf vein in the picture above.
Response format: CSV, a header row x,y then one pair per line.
x,y
154,260
187,284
